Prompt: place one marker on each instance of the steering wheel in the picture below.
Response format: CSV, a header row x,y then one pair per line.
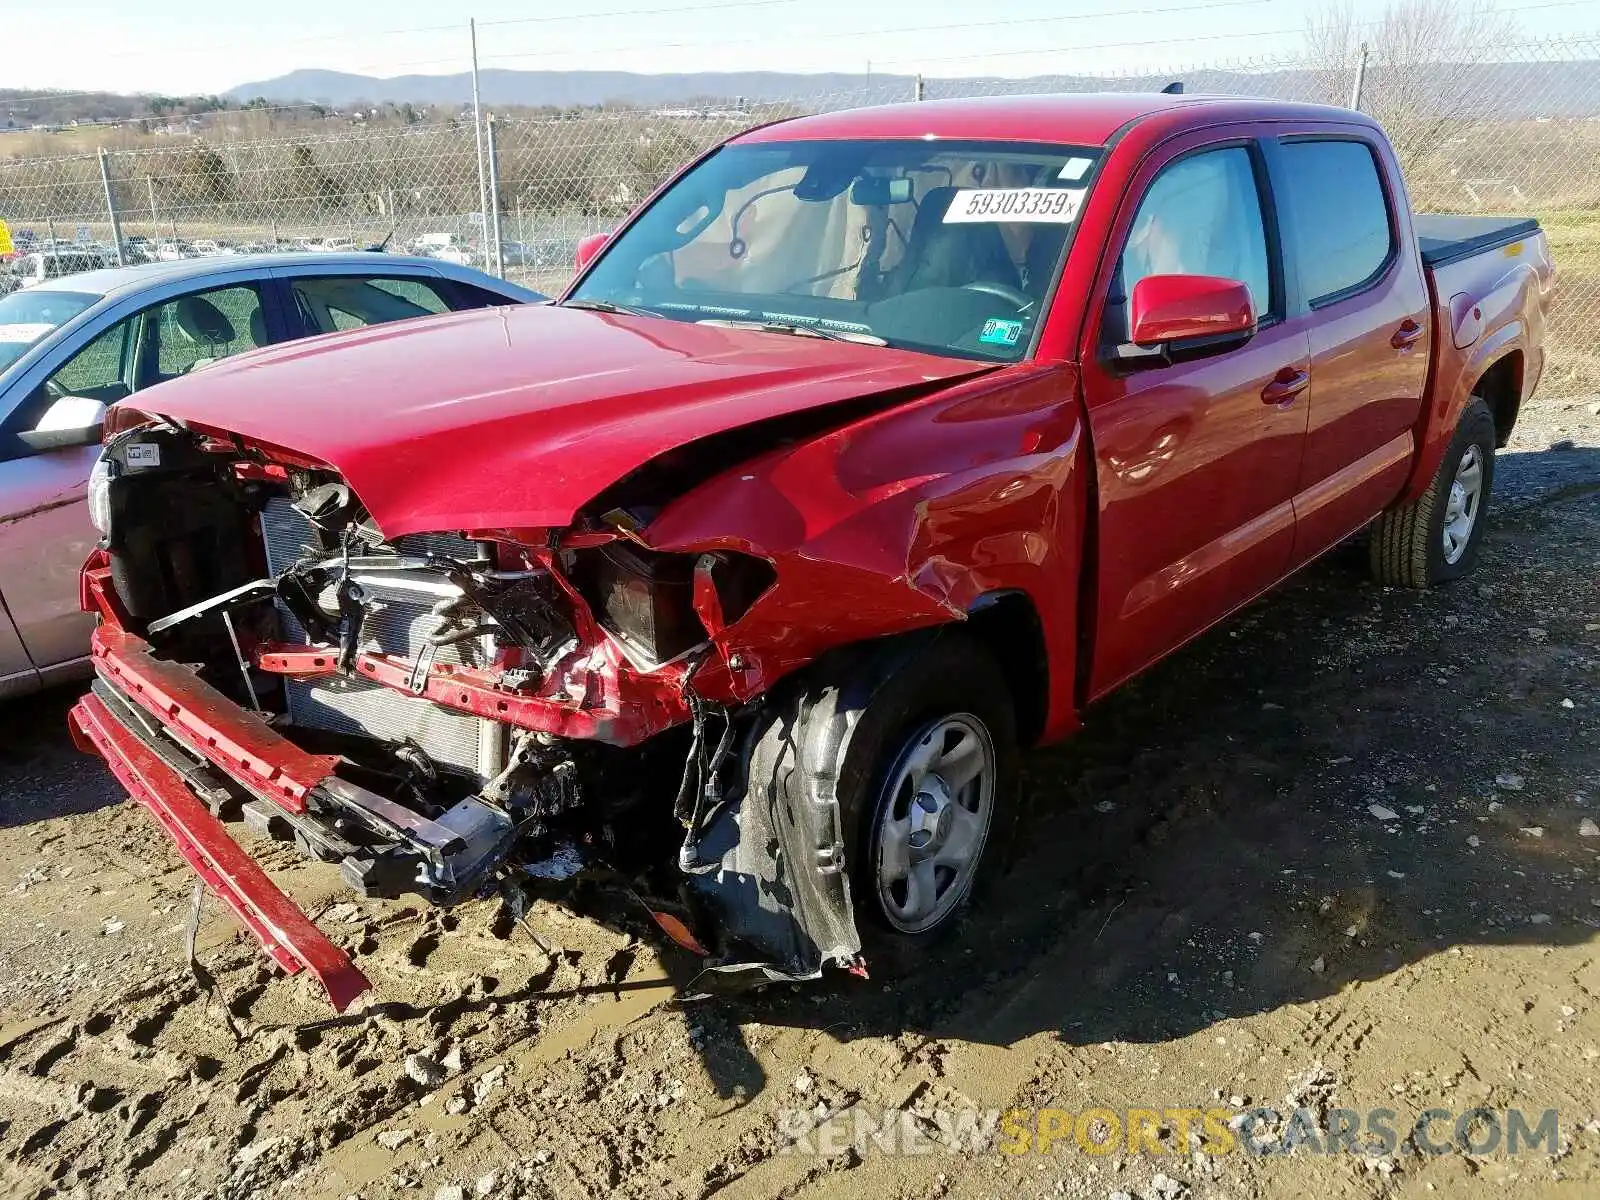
x,y
1012,295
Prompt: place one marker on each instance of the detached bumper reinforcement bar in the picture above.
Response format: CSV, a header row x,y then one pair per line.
x,y
287,934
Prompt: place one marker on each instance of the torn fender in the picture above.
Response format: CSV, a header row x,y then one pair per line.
x,y
862,549
781,889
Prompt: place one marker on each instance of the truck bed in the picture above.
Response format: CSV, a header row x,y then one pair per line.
x,y
1448,238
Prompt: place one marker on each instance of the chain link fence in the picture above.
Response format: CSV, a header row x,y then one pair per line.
x,y
1519,135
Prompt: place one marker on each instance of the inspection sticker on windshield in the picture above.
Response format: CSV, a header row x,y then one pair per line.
x,y
23,333
1043,205
1001,333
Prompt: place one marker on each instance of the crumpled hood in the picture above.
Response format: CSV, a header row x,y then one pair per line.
x,y
517,416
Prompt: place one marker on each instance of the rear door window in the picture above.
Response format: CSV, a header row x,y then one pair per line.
x,y
1338,216
330,302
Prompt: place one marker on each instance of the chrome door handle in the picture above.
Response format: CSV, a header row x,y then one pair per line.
x,y
1285,386
1406,335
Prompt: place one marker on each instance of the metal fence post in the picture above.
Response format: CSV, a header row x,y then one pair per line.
x,y
111,209
494,199
1361,78
477,137
918,91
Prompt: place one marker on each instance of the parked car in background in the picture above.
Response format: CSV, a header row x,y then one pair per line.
x,y
40,266
446,247
758,556
71,346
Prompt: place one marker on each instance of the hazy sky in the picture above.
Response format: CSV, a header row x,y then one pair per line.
x,y
169,46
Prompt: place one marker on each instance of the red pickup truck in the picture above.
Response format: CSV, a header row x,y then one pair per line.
x,y
873,447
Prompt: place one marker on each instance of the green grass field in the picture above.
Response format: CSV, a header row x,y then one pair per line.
x,y
1574,330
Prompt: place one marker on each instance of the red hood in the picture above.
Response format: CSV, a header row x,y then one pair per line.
x,y
517,416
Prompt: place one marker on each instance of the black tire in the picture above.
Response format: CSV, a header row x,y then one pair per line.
x,y
866,708
1407,546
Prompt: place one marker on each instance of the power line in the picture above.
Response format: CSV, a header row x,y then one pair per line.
x,y
1217,37
903,30
636,12
857,33
787,35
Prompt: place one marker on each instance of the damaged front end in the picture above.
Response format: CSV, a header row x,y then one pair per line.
x,y
436,712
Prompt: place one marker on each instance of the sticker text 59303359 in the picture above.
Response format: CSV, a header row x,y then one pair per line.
x,y
1047,205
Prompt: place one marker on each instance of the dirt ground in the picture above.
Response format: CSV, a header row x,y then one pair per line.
x,y
1339,854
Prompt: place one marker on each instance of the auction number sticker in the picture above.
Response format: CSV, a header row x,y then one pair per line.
x,y
1056,206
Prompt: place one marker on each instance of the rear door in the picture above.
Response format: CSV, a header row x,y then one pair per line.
x,y
1196,459
1366,303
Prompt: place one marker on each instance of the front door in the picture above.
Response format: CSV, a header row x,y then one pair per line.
x,y
1196,460
45,533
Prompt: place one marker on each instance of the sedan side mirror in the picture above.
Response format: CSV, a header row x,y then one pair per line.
x,y
69,421
588,247
1188,312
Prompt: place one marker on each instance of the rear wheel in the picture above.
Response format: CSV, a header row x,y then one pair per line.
x,y
1435,538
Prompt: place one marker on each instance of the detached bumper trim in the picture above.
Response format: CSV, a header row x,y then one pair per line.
x,y
287,935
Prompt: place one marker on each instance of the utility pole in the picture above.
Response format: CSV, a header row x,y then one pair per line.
x,y
494,201
477,134
1361,78
111,209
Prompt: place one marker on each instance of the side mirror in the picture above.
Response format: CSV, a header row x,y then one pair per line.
x,y
69,421
588,247
1199,310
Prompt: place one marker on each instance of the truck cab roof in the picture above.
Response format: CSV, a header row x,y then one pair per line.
x,y
1088,119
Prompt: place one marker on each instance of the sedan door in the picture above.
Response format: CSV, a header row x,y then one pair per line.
x,y
1196,455
45,459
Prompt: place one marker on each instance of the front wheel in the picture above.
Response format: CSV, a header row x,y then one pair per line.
x,y
1435,538
914,742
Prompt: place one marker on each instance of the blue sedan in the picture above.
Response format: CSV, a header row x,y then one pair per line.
x,y
72,346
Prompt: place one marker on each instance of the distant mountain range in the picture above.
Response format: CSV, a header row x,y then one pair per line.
x,y
1507,90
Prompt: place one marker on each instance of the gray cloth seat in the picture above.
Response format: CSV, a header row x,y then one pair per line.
x,y
203,322
940,255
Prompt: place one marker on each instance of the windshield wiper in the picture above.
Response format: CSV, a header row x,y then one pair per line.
x,y
608,306
859,337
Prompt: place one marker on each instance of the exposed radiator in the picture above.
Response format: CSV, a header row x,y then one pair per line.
x,y
399,621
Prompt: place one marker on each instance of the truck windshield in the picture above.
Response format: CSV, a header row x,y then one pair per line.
x,y
942,246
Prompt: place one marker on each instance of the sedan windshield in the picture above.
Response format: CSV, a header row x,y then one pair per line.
x,y
946,247
26,316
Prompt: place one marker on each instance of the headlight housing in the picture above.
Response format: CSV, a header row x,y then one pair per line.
x,y
660,606
100,495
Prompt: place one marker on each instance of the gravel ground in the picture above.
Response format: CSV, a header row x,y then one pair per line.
x,y
1340,854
